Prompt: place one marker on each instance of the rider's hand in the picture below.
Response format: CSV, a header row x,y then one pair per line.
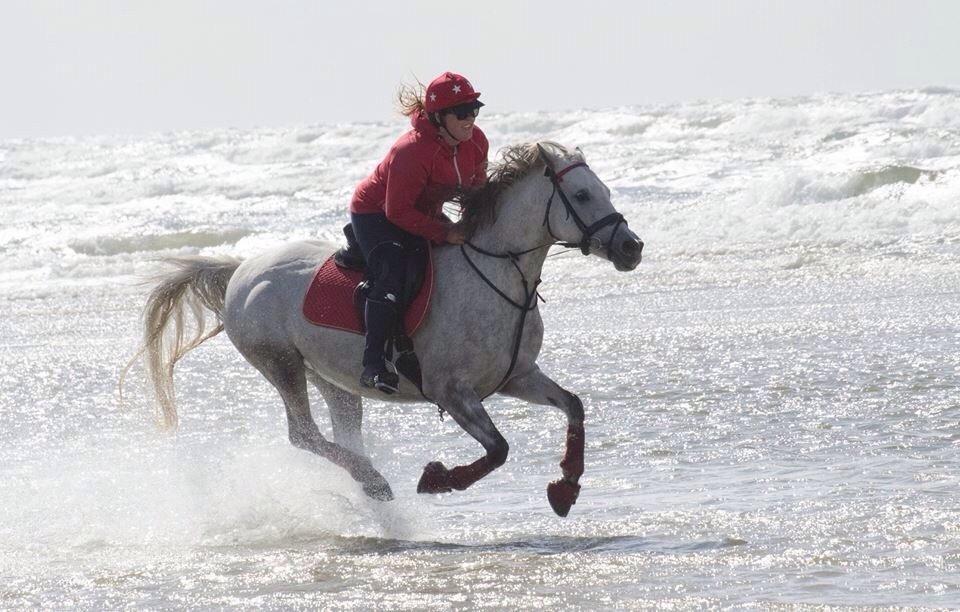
x,y
456,235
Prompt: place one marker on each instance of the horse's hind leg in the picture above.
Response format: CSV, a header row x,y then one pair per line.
x,y
285,371
462,403
346,413
537,387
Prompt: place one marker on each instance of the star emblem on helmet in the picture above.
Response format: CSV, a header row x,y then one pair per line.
x,y
433,97
456,89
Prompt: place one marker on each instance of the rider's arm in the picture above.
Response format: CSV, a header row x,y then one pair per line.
x,y
407,177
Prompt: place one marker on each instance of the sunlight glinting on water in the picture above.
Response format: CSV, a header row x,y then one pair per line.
x,y
771,396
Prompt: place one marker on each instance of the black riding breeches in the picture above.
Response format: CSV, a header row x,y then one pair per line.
x,y
388,250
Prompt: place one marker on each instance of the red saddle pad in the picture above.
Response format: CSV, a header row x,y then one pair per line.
x,y
329,299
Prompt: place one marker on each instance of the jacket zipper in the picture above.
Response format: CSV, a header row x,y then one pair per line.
x,y
457,168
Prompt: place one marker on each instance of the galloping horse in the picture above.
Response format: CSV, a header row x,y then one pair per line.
x,y
481,336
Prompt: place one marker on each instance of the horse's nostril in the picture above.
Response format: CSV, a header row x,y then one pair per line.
x,y
631,248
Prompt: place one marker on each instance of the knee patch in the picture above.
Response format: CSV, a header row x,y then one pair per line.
x,y
386,267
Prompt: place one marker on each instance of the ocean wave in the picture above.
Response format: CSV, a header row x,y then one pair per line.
x,y
827,168
840,134
793,188
939,90
110,245
867,181
897,202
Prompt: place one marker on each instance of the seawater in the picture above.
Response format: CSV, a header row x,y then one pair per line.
x,y
772,396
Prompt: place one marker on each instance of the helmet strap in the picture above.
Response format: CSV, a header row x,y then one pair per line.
x,y
437,121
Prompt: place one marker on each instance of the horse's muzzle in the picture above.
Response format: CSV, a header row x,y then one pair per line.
x,y
627,254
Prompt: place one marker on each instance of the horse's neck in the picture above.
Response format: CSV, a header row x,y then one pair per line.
x,y
518,227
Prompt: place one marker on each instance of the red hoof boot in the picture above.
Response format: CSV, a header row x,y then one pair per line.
x,y
562,494
435,479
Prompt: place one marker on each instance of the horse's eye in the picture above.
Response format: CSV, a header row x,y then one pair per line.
x,y
582,196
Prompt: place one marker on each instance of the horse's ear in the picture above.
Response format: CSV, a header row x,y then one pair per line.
x,y
545,156
580,154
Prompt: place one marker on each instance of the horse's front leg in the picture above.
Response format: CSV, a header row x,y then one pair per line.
x,y
536,387
463,404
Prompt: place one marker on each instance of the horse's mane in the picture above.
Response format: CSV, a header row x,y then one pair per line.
x,y
478,207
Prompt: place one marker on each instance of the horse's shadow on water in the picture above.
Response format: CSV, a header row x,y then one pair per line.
x,y
397,542
540,545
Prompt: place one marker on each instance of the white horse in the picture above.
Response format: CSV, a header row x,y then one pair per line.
x,y
481,336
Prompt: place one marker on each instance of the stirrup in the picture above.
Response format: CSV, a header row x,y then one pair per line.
x,y
380,378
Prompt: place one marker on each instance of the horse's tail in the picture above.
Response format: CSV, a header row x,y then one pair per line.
x,y
195,283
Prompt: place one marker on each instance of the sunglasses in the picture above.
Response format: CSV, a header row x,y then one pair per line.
x,y
467,109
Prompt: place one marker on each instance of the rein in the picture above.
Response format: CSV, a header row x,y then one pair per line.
x,y
530,296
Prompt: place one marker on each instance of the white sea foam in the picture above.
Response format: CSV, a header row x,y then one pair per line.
x,y
832,168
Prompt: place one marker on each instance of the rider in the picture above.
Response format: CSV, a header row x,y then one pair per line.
x,y
396,209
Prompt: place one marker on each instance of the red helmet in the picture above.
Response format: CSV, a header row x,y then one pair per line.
x,y
448,90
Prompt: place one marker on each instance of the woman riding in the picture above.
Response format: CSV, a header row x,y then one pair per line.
x,y
396,209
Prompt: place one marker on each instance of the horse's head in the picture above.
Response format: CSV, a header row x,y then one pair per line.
x,y
579,212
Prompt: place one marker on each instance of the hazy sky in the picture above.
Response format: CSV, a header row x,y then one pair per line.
x,y
86,67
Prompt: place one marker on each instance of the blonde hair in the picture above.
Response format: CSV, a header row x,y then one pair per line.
x,y
410,98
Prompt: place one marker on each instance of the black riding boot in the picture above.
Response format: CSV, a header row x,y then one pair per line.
x,y
350,257
380,318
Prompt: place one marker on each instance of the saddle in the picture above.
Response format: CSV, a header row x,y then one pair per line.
x,y
336,294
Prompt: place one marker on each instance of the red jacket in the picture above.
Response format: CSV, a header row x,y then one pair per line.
x,y
418,175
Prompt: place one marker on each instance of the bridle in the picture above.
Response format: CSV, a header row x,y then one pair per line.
x,y
530,294
587,241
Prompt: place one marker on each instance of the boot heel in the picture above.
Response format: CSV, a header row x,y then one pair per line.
x,y
381,379
387,382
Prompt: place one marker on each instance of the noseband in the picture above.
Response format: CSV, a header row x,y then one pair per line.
x,y
587,241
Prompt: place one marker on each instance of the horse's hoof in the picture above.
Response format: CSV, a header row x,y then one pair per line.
x,y
435,479
379,491
562,494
